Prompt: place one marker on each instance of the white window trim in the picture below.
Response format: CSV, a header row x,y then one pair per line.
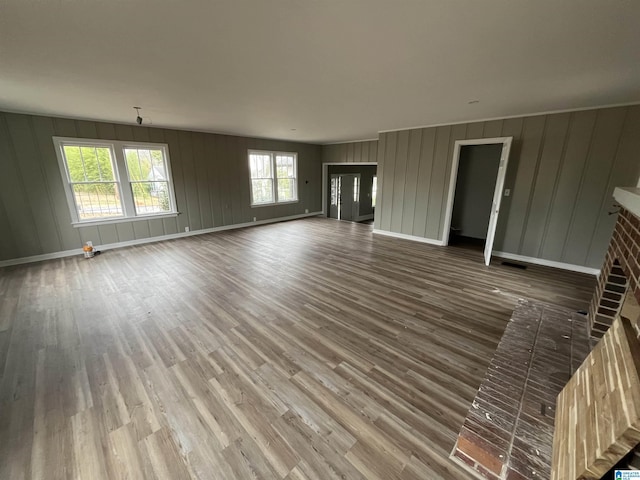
x,y
117,148
274,184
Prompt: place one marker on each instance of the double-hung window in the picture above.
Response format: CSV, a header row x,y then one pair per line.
x,y
109,181
273,177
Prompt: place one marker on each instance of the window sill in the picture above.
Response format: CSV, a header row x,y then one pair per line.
x,y
273,204
94,223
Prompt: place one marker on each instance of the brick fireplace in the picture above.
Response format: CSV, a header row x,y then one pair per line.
x,y
619,282
508,431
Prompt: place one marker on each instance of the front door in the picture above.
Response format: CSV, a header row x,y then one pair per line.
x,y
346,197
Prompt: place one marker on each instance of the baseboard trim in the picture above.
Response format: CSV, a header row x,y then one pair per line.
x,y
508,256
40,258
362,218
404,236
548,263
140,241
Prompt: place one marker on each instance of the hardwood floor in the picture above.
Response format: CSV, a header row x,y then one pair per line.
x,y
302,350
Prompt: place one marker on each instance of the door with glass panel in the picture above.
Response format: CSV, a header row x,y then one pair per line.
x,y
348,184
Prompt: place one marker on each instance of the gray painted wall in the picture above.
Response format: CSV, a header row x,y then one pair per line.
x,y
475,186
364,152
367,172
562,171
210,173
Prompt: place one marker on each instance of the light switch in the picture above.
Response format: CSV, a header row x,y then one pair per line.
x,y
507,192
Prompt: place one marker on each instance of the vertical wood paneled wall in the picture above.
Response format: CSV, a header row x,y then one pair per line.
x,y
562,171
354,152
210,173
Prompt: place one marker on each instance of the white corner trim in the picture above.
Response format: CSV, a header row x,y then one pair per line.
x,y
404,236
548,263
140,241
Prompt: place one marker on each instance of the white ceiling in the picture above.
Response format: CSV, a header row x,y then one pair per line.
x,y
332,70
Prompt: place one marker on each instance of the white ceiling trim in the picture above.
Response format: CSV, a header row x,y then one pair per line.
x,y
550,112
353,141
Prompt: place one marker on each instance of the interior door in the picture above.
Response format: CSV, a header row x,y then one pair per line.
x,y
346,197
497,198
334,199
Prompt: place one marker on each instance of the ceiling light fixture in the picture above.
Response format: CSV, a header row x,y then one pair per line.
x,y
138,118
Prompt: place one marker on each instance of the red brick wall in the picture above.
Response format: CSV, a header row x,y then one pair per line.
x,y
621,268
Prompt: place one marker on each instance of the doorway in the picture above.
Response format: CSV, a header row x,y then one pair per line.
x,y
345,197
475,193
349,191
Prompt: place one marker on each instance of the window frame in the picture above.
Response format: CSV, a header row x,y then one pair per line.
x,y
272,154
121,178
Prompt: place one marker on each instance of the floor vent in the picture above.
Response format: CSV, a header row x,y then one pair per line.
x,y
515,265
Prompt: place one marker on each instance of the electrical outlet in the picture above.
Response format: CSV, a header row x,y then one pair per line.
x,y
254,219
186,229
507,192
306,210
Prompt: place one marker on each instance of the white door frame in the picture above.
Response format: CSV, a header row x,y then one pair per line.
x,y
325,181
497,194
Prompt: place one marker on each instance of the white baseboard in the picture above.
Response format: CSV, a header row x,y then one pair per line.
x,y
110,246
548,263
404,236
362,218
509,256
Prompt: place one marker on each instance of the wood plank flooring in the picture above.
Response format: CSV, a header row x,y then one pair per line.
x,y
307,350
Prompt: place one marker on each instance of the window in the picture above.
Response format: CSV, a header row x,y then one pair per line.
x,y
286,177
109,181
356,189
374,191
273,177
147,171
335,190
261,178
